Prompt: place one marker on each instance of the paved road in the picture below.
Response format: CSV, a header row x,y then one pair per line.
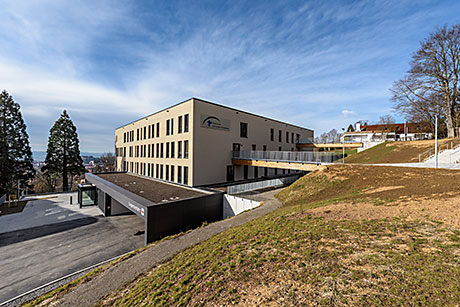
x,y
45,210
118,275
37,255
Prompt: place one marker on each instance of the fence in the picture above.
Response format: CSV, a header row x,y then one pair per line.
x,y
288,156
443,145
256,185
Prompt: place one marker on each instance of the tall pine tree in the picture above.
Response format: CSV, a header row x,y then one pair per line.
x,y
63,153
16,162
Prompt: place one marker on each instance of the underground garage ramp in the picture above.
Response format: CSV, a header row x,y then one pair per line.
x,y
166,208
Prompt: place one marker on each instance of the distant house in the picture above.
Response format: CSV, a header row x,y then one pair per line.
x,y
371,135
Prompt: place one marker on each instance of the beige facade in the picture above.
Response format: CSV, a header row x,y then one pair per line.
x,y
213,132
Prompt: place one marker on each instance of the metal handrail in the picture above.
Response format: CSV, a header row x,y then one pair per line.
x,y
428,154
288,156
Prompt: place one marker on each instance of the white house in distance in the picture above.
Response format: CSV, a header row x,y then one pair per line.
x,y
371,135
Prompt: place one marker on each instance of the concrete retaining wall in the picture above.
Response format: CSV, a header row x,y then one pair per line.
x,y
233,205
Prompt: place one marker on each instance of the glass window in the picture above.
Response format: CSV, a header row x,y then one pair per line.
x,y
161,151
158,130
172,126
179,125
158,150
161,171
272,134
185,174
179,174
145,132
167,149
287,136
167,127
153,131
185,149
179,150
167,172
186,123
279,135
243,130
172,150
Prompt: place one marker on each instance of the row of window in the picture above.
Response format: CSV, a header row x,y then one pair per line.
x,y
153,130
280,136
158,150
158,171
244,134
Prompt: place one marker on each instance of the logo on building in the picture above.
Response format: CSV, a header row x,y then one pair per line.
x,y
214,122
142,211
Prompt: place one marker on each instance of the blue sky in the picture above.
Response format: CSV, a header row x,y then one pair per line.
x,y
318,64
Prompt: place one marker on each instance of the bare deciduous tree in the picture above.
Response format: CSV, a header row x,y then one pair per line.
x,y
431,86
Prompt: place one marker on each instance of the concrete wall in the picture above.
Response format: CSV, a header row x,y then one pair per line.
x,y
182,215
233,205
213,147
117,208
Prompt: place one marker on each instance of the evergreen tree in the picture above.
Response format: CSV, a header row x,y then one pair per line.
x,y
63,153
16,162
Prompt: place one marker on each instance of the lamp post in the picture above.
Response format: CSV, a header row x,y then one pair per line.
x,y
436,142
343,145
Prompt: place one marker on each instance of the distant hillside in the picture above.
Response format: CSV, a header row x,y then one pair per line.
x,y
39,156
392,152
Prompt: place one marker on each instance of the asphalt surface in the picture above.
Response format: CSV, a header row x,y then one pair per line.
x,y
32,257
118,275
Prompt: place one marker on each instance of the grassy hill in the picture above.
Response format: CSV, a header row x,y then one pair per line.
x,y
392,152
353,235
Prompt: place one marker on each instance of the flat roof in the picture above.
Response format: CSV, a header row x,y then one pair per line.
x,y
215,104
153,190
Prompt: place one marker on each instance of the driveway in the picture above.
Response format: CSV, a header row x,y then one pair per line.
x,y
51,239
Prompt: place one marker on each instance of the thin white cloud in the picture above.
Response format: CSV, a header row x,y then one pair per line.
x,y
347,113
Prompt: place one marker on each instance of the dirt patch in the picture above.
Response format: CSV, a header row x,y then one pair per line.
x,y
155,191
447,211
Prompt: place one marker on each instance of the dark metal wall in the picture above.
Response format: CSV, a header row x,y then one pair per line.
x,y
178,216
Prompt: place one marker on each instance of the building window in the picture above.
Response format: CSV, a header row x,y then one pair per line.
x,y
246,171
243,130
280,148
297,138
185,174
292,137
265,171
158,130
137,151
287,136
185,150
137,133
186,123
179,174
161,150
179,125
167,127
172,126
158,150
272,134
153,166
172,150
153,131
167,149
253,147
167,172
279,136
158,171
172,173
150,131
179,150
145,132
256,172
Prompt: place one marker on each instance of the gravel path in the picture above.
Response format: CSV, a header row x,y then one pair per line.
x,y
122,273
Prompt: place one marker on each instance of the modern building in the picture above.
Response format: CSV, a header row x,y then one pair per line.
x,y
191,143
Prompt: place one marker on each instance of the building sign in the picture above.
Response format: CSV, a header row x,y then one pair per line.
x,y
136,209
214,122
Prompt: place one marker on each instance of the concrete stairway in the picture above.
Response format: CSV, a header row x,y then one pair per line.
x,y
447,156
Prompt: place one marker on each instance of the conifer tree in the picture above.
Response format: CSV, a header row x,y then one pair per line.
x,y
63,153
16,162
